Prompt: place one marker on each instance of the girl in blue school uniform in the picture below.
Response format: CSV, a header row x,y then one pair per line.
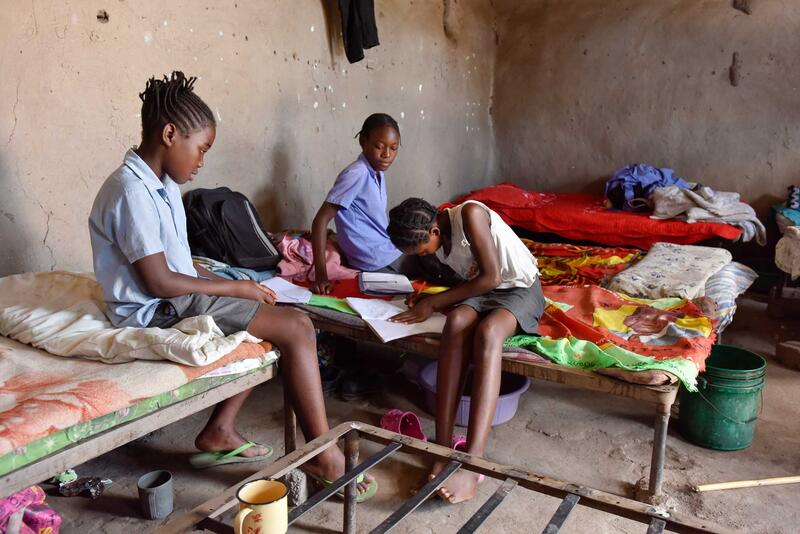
x,y
357,201
143,262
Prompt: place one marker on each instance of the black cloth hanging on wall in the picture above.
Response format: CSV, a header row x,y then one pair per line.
x,y
358,27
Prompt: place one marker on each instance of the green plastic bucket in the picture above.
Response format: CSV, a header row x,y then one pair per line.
x,y
722,414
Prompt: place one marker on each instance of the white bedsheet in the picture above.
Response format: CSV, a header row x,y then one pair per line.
x,y
62,313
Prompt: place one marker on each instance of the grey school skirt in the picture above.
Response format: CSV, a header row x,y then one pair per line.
x,y
526,303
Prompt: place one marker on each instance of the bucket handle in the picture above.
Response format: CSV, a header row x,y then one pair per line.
x,y
747,422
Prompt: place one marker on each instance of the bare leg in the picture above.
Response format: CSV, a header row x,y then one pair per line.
x,y
454,357
293,333
490,334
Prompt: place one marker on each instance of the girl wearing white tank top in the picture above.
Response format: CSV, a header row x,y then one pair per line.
x,y
501,294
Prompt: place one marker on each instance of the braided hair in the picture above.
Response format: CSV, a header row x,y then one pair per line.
x,y
410,223
375,121
172,100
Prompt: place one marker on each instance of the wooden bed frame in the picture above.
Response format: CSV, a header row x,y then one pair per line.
x,y
662,397
98,444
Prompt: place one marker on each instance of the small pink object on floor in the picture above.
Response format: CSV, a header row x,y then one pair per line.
x,y
26,512
405,423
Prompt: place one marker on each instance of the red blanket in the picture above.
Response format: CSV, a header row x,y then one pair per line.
x,y
582,217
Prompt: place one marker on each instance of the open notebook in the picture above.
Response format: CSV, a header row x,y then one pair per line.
x,y
376,313
288,292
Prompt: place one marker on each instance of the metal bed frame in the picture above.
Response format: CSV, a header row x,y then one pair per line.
x,y
209,515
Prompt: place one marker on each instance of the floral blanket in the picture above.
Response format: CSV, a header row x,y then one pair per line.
x,y
569,265
41,394
593,328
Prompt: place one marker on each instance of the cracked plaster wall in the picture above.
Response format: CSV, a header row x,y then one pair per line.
x,y
586,86
287,101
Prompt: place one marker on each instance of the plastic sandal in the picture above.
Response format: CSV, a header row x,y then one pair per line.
x,y
204,460
372,488
459,442
405,423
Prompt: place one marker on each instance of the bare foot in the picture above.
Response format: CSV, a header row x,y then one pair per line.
x,y
461,486
222,440
435,470
329,465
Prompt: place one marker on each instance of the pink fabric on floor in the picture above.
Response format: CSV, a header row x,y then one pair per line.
x,y
298,261
37,517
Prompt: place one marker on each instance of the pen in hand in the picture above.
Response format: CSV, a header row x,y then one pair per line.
x,y
417,293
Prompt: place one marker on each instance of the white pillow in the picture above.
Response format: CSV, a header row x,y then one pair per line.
x,y
670,270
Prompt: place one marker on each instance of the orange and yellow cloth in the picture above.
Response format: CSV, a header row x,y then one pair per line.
x,y
569,265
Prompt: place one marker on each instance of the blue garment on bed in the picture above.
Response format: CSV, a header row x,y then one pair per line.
x,y
636,182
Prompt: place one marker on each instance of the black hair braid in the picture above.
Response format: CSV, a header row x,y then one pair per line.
x,y
173,100
375,121
410,223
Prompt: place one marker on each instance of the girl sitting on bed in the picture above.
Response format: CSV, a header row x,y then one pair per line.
x,y
357,201
143,262
502,295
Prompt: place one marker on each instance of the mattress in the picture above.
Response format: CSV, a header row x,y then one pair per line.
x,y
50,402
583,217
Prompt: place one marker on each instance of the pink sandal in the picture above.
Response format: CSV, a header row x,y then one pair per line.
x,y
405,423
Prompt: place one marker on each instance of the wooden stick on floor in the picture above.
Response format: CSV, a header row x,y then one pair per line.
x,y
747,483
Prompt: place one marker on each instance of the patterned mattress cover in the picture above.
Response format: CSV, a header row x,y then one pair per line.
x,y
50,402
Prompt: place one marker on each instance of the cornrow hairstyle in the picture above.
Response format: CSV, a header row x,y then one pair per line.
x,y
375,121
172,100
410,222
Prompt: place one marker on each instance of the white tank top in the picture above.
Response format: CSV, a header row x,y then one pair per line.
x,y
517,264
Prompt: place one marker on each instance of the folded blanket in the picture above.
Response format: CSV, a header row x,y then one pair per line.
x,y
63,314
706,205
671,270
787,252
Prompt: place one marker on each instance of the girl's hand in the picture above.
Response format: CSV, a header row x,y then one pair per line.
x,y
322,286
412,300
247,289
421,311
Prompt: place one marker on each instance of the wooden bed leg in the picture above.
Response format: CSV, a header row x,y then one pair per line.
x,y
659,449
350,461
289,424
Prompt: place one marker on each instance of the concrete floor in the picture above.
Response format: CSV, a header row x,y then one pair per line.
x,y
588,438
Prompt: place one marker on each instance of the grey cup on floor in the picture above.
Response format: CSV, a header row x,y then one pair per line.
x,y
155,494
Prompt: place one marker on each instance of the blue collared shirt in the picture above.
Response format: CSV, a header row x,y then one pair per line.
x,y
361,221
135,214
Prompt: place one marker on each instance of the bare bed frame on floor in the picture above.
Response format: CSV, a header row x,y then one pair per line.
x,y
212,514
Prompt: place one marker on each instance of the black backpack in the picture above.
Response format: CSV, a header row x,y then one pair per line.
x,y
223,225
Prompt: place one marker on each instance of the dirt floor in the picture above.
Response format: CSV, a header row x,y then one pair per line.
x,y
588,438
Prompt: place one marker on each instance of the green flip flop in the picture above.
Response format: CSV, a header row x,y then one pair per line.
x,y
372,488
204,460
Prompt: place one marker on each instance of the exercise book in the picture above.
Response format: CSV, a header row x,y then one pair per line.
x,y
376,313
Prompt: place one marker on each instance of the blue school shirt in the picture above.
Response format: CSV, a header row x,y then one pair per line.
x,y
361,221
136,215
